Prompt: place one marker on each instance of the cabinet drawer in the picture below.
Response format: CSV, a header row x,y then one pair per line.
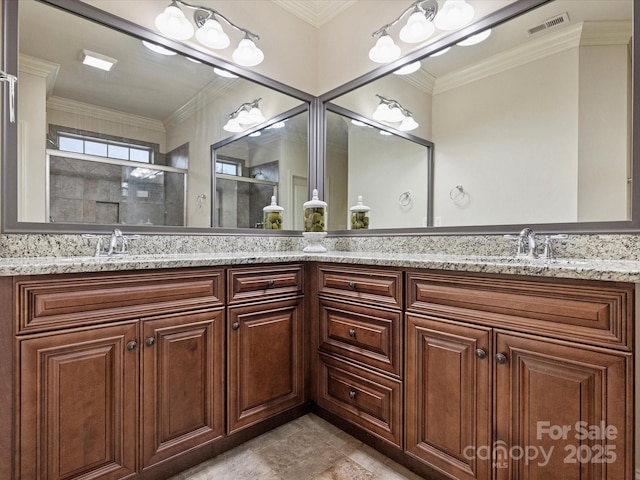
x,y
598,313
364,334
263,282
375,286
64,301
361,396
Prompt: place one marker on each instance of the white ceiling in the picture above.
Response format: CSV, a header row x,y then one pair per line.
x,y
315,12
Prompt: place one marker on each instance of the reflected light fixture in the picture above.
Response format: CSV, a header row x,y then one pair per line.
x,y
173,23
453,15
97,60
475,39
154,47
408,69
418,28
224,73
245,116
390,111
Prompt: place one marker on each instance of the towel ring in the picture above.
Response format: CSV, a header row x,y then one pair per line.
x,y
457,194
405,199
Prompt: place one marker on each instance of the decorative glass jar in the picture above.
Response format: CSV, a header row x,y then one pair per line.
x,y
359,215
315,214
272,216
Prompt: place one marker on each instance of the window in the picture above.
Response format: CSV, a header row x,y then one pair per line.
x,y
229,168
69,142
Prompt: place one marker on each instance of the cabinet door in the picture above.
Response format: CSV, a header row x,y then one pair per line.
x,y
78,404
183,383
265,361
448,396
562,412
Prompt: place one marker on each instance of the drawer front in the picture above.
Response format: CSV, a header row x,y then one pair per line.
x,y
364,334
264,282
361,396
598,313
375,286
61,302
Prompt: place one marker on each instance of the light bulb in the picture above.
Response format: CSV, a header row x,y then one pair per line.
x,y
384,50
417,29
454,14
210,34
174,24
247,53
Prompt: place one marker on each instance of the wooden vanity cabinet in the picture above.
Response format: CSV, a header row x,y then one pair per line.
x,y
265,337
487,402
139,382
360,347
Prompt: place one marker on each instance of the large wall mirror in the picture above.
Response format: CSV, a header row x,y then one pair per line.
x,y
532,126
131,146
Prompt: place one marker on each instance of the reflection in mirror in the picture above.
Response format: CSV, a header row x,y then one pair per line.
x,y
126,144
251,169
533,124
390,172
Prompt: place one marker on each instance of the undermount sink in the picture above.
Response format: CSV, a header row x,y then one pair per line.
x,y
524,260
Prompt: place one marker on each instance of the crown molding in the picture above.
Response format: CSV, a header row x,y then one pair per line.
x,y
75,107
315,12
39,68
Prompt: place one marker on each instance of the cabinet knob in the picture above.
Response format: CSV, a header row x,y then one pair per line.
x,y
271,283
352,394
235,325
501,358
480,353
149,342
132,345
352,333
352,285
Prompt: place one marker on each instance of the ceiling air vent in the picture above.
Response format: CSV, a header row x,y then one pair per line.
x,y
549,23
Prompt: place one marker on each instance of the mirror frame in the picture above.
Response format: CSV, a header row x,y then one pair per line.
x,y
504,14
9,217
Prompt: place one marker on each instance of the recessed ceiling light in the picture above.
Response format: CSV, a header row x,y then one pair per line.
x,y
97,60
157,48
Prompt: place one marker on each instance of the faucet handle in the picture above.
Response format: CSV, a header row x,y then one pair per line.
x,y
98,250
548,244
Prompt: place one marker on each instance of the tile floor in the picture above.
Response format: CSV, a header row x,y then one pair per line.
x,y
306,449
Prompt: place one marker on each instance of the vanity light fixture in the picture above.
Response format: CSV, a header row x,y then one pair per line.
x,y
475,39
173,23
390,111
423,19
407,69
245,116
97,60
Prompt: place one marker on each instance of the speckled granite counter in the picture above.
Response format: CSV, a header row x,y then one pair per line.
x,y
587,269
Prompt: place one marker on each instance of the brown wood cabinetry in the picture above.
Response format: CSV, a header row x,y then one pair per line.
x,y
182,369
265,338
129,387
359,367
486,403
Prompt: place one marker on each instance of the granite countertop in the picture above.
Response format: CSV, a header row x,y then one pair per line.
x,y
587,269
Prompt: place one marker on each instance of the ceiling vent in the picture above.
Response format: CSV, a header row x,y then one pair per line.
x,y
549,23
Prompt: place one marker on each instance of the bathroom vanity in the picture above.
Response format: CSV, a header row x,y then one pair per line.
x,y
457,369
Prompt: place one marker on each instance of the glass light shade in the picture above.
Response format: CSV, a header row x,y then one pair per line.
x,y
255,115
408,124
454,14
417,29
384,50
233,126
381,113
395,115
407,69
247,54
384,132
243,117
255,134
211,35
475,39
174,24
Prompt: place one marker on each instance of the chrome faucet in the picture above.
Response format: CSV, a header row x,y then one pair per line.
x,y
118,243
526,245
113,242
